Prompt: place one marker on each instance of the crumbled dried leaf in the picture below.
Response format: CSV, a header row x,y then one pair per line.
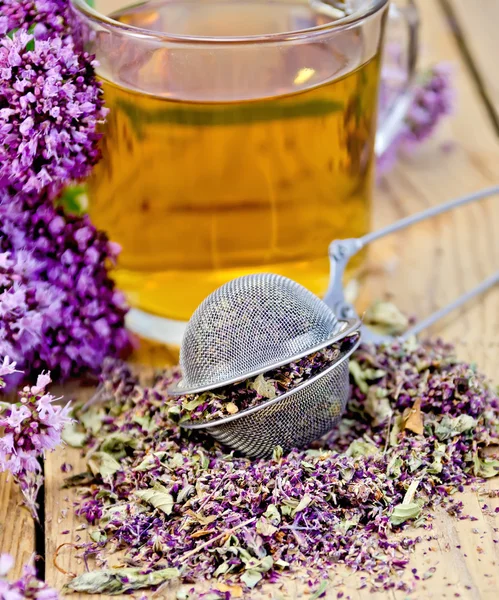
x,y
265,527
450,426
159,497
413,418
386,319
361,448
92,419
72,436
118,581
79,479
405,512
98,536
102,463
264,387
251,578
364,377
485,467
117,443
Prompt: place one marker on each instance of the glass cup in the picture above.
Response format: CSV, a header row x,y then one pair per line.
x,y
241,139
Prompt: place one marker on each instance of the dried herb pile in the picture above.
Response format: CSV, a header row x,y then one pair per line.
x,y
232,399
180,506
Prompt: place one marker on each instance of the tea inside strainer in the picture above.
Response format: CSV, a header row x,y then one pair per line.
x,y
251,325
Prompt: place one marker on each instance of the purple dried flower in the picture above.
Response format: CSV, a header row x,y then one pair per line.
x,y
28,586
215,513
433,100
59,309
51,107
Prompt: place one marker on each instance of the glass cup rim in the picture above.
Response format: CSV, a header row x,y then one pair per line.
x,y
340,24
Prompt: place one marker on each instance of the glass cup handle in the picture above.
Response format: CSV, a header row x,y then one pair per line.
x,y
397,112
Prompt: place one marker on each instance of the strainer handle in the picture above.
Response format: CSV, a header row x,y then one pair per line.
x,y
341,251
443,312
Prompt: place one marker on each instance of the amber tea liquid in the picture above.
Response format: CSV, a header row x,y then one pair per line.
x,y
198,191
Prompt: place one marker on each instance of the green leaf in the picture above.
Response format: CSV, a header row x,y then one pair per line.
x,y
302,505
396,429
450,427
264,527
221,569
74,199
485,467
98,536
320,591
103,463
118,581
187,491
385,318
72,436
394,468
146,423
251,578
346,524
361,448
191,405
277,453
92,420
159,497
204,461
363,376
405,512
377,405
117,443
149,461
264,387
272,514
438,453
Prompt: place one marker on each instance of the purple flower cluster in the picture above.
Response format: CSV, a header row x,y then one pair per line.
x,y
59,309
28,586
433,100
50,107
43,17
30,428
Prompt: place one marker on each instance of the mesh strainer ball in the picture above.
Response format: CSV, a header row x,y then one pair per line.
x,y
254,324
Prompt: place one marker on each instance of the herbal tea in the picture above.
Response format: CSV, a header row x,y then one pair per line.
x,y
243,165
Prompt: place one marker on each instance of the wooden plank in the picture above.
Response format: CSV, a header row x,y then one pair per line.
x,y
17,530
422,269
476,25
429,265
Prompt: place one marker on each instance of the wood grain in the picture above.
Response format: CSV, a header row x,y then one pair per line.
x,y
476,24
17,531
427,266
421,269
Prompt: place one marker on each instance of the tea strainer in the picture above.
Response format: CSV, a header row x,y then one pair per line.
x,y
260,322
254,324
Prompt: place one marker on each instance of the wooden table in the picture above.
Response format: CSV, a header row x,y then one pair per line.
x,y
422,269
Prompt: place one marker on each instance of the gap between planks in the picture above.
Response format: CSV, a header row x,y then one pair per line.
x,y
474,26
